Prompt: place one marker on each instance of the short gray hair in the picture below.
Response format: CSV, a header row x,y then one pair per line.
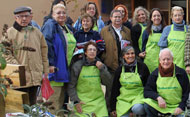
x,y
177,8
114,11
166,49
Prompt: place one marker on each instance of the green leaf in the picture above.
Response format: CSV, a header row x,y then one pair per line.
x,y
3,90
27,108
3,62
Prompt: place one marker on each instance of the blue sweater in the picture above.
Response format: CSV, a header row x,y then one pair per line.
x,y
163,43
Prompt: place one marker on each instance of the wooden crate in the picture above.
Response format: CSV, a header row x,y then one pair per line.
x,y
16,73
15,99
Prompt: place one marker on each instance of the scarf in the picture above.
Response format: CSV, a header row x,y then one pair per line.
x,y
166,72
156,28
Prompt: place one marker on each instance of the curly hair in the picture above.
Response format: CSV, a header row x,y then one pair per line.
x,y
134,22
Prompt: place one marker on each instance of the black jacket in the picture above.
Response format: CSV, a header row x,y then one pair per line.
x,y
143,72
150,90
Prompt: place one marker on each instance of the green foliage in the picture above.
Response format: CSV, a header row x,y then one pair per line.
x,y
3,62
3,89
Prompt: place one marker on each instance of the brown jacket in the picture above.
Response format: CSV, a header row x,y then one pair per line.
x,y
27,47
110,56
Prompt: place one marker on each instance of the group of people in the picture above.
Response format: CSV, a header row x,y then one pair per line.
x,y
144,64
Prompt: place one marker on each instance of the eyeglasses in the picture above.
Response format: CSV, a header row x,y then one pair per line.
x,y
22,16
92,49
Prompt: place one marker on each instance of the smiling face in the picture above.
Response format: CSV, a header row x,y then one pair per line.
x,y
177,17
59,14
129,57
23,19
166,60
116,19
91,10
91,52
86,24
141,16
156,18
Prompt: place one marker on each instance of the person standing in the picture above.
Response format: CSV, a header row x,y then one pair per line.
x,y
115,36
150,39
174,35
61,45
26,46
140,19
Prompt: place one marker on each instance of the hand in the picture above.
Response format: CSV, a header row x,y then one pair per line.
x,y
99,64
142,54
79,107
45,75
178,111
51,69
188,69
161,102
113,114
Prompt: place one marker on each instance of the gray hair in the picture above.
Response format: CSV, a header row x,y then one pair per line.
x,y
177,8
134,22
59,6
164,50
114,11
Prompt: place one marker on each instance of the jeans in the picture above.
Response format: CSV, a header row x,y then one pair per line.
x,y
137,109
151,112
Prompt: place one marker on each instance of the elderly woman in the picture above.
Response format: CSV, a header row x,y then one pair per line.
x,y
124,12
86,33
173,36
167,88
61,44
140,20
91,9
128,85
150,38
85,86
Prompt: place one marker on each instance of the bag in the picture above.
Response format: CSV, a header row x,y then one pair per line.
x,y
46,89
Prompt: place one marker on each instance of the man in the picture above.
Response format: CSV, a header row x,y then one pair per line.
x,y
115,36
167,88
26,46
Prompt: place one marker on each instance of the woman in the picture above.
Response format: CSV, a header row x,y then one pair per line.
x,y
173,36
88,34
61,44
140,20
124,12
128,85
91,9
150,39
85,86
167,88
69,21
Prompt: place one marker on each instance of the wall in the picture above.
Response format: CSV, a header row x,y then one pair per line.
x,y
40,8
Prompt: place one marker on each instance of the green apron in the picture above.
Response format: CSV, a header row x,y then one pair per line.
x,y
95,28
140,38
90,92
71,45
176,43
170,90
131,92
152,51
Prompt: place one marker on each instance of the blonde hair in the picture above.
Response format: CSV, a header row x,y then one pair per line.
x,y
177,8
59,6
134,22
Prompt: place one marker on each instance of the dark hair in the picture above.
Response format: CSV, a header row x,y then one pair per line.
x,y
89,43
86,16
150,23
96,9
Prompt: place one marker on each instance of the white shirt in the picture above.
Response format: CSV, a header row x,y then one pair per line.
x,y
118,31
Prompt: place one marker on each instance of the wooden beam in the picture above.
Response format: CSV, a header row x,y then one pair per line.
x,y
132,7
15,99
16,73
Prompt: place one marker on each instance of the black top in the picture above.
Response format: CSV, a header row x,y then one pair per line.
x,y
143,72
135,34
150,90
